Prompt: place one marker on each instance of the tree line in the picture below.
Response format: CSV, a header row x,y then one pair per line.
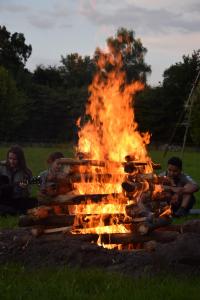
x,y
44,105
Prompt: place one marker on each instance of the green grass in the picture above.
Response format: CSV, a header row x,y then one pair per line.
x,y
9,222
19,283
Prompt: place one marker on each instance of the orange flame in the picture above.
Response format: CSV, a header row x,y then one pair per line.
x,y
110,134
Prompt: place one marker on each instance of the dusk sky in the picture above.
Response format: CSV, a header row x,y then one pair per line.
x,y
168,29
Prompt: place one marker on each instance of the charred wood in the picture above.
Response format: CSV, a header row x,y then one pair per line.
x,y
38,231
130,186
58,221
128,238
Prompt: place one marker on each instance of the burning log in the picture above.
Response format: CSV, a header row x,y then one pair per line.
x,y
77,199
131,159
137,210
63,182
99,163
130,186
89,177
83,162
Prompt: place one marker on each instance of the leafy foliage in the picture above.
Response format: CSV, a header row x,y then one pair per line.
x,y
158,109
76,70
48,76
133,53
13,50
12,103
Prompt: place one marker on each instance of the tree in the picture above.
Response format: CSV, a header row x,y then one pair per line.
x,y
52,113
150,112
133,54
12,106
177,84
50,76
76,70
13,50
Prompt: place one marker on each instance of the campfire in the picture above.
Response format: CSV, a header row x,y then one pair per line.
x,y
110,192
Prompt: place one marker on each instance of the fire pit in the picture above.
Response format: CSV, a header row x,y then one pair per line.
x,y
114,220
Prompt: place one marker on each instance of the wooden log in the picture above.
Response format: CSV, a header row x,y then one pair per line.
x,y
130,186
143,228
147,226
38,231
128,238
58,221
192,226
81,162
66,220
131,158
42,212
137,211
132,166
88,177
97,163
77,199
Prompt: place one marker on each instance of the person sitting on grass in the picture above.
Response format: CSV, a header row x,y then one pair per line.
x,y
47,184
14,183
182,188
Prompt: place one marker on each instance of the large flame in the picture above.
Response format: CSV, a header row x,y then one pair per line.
x,y
109,135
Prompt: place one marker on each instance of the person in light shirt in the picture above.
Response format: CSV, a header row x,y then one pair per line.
x,y
47,184
182,188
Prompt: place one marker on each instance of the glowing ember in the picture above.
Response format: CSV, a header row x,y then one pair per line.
x,y
120,228
97,208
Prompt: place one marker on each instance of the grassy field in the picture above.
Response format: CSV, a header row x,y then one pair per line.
x,y
16,282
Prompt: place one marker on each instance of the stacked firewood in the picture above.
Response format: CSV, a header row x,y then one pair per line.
x,y
57,210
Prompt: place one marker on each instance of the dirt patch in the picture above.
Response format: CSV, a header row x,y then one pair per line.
x,y
180,256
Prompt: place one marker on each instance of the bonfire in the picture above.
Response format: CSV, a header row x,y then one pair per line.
x,y
110,187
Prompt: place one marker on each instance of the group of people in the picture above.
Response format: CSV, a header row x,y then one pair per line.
x,y
15,176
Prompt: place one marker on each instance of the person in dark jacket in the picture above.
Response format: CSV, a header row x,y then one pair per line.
x,y
14,183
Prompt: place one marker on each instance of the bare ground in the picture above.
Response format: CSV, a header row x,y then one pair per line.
x,y
181,256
